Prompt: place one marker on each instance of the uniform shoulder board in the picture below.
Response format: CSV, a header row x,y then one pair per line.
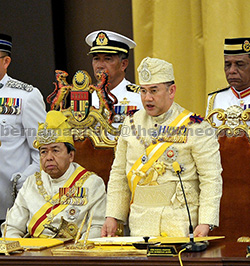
x,y
16,84
213,92
133,88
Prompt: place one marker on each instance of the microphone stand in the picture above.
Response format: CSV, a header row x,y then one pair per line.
x,y
190,246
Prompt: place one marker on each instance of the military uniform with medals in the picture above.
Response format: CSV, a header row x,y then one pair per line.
x,y
129,100
228,97
21,108
222,99
127,94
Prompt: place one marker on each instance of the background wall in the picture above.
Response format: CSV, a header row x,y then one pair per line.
x,y
49,35
30,25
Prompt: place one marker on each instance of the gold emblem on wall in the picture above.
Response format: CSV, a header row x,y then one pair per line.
x,y
84,119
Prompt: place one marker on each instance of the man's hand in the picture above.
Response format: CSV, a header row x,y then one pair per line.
x,y
109,228
201,230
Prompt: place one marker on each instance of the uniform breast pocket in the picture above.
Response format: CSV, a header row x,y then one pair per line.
x,y
9,127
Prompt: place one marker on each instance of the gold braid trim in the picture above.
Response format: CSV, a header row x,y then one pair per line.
x,y
211,103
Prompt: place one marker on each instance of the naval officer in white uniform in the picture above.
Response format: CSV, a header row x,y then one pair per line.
x,y
110,52
21,107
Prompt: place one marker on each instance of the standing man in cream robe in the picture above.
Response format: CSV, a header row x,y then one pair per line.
x,y
143,184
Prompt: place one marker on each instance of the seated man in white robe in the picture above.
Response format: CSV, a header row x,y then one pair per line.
x,y
54,202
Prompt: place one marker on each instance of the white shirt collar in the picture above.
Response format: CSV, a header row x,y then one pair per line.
x,y
4,79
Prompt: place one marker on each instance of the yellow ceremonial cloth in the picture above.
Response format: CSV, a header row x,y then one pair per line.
x,y
153,152
44,209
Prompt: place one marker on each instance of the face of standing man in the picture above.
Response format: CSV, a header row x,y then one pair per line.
x,y
157,98
237,62
4,63
5,53
114,64
156,78
237,71
110,52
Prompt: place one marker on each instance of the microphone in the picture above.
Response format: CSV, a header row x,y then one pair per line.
x,y
191,246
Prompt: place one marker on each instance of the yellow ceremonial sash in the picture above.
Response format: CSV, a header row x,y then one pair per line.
x,y
154,152
35,226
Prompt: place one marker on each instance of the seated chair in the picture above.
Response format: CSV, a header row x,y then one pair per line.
x,y
233,136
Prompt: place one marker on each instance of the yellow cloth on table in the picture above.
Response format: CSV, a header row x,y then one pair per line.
x,y
36,243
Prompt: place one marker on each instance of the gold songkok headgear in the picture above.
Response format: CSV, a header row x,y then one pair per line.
x,y
154,71
55,129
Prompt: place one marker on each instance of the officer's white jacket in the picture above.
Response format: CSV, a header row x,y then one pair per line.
x,y
225,98
17,133
121,92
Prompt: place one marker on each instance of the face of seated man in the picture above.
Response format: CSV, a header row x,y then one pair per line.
x,y
55,159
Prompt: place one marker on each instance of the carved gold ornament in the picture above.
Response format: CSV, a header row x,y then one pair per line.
x,y
233,120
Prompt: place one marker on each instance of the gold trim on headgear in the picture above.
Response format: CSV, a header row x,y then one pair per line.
x,y
55,129
104,41
237,46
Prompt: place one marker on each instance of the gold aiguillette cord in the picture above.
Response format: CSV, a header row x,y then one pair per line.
x,y
88,229
5,226
80,229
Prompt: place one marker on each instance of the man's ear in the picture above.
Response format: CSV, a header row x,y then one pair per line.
x,y
172,91
124,64
6,62
72,156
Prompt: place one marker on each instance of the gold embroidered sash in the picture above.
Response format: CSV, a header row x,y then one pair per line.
x,y
35,226
154,152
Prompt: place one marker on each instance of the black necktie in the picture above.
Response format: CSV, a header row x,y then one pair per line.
x,y
1,85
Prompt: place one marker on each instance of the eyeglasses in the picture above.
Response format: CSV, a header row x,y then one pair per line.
x,y
3,56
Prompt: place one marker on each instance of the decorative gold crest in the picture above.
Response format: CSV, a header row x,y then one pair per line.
x,y
101,39
80,98
171,154
145,73
46,136
246,46
87,121
81,80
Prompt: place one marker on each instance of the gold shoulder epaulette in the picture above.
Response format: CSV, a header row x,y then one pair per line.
x,y
217,91
133,88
